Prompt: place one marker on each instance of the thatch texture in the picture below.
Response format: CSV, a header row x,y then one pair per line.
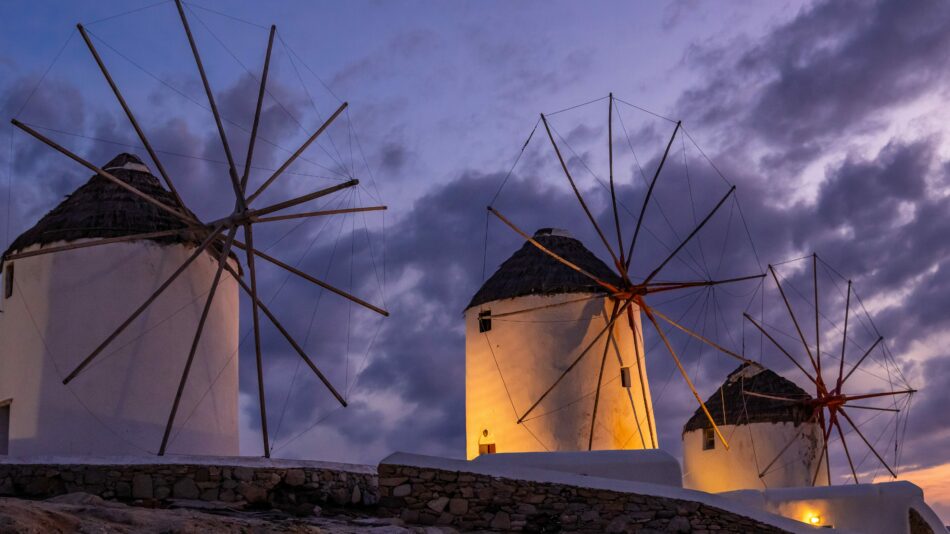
x,y
100,209
530,271
742,409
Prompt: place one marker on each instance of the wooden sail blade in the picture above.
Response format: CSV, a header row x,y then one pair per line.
x,y
577,192
232,168
772,397
861,359
622,266
251,214
844,340
296,154
311,279
544,307
640,372
814,263
600,376
573,365
309,214
225,252
293,343
257,115
646,199
853,406
788,306
822,457
131,117
168,281
690,236
255,313
779,347
850,398
866,442
108,176
699,337
682,371
847,453
659,287
542,248
97,242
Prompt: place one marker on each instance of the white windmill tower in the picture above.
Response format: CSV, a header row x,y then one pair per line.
x,y
749,407
513,353
129,299
58,304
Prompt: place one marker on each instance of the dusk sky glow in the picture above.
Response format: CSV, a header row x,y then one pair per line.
x,y
829,117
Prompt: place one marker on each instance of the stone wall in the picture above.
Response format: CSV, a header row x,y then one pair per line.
x,y
474,501
292,486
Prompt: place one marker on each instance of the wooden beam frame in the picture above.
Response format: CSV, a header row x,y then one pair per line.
x,y
323,213
646,199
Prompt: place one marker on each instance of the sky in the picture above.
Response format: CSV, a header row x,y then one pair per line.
x,y
828,117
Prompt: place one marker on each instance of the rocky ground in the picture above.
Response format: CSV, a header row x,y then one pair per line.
x,y
85,513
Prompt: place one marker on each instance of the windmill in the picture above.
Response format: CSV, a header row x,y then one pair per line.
x,y
624,296
218,237
832,390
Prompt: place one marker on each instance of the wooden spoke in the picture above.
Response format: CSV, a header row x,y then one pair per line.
x,y
798,328
779,347
847,453
544,307
573,365
97,242
895,410
297,154
300,200
225,252
866,442
861,360
826,433
201,248
128,113
108,176
772,397
600,376
689,237
679,365
577,192
670,286
646,199
694,335
622,266
640,372
814,264
232,168
249,236
542,248
293,343
878,395
257,119
792,440
844,340
316,214
311,279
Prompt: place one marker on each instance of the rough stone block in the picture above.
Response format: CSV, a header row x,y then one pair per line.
x,y
185,488
402,491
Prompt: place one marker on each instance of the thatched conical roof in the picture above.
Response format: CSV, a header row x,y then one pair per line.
x,y
100,209
732,405
530,271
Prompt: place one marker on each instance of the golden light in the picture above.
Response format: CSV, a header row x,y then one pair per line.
x,y
814,519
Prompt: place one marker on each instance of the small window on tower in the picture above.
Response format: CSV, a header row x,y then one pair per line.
x,y
486,448
8,281
709,439
5,426
484,321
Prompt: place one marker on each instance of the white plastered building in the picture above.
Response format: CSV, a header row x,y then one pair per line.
x,y
512,359
760,431
58,307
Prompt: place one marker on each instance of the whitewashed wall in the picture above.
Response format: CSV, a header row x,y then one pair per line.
x,y
751,448
65,304
532,350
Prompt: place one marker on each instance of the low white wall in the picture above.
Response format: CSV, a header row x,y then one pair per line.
x,y
869,508
651,465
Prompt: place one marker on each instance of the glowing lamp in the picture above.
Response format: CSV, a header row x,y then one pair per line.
x,y
814,519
